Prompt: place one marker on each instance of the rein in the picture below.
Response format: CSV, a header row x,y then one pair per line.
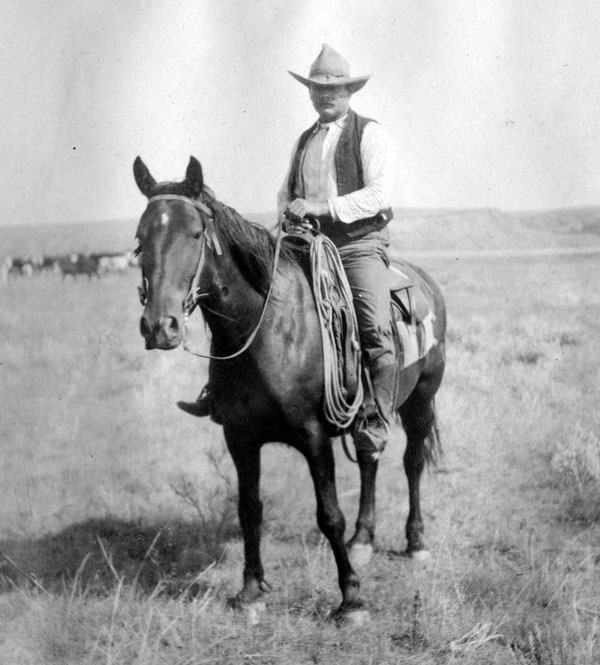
x,y
194,294
260,320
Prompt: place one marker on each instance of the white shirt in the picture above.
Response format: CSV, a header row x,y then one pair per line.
x,y
319,175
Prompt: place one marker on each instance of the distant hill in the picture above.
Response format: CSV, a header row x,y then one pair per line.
x,y
412,230
481,229
53,239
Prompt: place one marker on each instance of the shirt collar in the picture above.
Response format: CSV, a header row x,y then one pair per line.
x,y
340,122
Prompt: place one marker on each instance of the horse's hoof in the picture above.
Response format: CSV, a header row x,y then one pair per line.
x,y
360,555
419,555
254,612
355,618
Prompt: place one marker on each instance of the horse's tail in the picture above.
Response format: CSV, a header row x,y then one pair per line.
x,y
433,441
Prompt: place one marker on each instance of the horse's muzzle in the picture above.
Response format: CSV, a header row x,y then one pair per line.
x,y
164,334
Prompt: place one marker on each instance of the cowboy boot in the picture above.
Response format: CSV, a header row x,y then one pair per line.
x,y
373,432
201,407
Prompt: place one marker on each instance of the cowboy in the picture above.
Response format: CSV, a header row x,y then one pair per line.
x,y
339,174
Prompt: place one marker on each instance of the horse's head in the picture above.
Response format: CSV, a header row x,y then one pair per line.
x,y
170,236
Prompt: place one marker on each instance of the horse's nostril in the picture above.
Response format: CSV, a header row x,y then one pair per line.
x,y
172,324
145,327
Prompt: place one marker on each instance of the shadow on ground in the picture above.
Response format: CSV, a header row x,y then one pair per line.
x,y
95,554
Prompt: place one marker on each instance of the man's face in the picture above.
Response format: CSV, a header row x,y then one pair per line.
x,y
330,101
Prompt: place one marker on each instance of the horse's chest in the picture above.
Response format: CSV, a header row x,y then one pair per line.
x,y
240,396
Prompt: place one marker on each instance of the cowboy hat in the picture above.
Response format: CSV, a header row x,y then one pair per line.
x,y
330,68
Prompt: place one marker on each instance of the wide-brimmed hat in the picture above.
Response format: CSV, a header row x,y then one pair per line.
x,y
330,68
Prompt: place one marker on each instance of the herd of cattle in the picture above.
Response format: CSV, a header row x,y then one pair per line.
x,y
92,265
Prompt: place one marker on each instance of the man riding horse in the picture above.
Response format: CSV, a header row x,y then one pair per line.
x,y
339,173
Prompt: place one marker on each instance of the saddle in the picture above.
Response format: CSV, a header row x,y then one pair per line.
x,y
411,314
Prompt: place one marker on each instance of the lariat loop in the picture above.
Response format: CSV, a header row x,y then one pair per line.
x,y
332,297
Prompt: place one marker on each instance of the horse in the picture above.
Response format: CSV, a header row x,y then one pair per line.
x,y
117,262
266,364
78,264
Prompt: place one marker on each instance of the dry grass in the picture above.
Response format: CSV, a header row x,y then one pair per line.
x,y
117,506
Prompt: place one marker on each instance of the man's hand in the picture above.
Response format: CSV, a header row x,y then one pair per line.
x,y
302,207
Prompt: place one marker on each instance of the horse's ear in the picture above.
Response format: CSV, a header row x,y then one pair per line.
x,y
142,176
194,177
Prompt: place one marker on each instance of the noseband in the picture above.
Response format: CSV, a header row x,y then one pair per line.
x,y
209,236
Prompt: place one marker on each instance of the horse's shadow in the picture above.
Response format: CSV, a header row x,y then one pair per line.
x,y
98,554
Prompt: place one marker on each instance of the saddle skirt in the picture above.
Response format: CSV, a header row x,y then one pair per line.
x,y
412,313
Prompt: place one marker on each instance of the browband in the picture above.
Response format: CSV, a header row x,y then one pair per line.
x,y
186,199
202,207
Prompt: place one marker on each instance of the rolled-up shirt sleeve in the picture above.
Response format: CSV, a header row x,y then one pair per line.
x,y
375,195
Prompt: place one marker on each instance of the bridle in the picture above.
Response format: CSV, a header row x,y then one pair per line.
x,y
209,235
195,295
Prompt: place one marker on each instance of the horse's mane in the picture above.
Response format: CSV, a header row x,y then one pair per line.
x,y
251,246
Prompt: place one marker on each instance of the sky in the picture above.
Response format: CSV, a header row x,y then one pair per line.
x,y
487,103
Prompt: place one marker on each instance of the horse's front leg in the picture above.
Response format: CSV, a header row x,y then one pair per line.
x,y
333,524
360,546
246,457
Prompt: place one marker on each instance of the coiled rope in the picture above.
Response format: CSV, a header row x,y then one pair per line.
x,y
332,292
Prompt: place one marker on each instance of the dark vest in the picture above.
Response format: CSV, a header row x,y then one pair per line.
x,y
349,177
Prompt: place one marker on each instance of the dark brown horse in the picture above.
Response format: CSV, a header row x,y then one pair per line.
x,y
195,250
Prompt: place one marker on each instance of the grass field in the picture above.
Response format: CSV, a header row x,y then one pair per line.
x,y
118,534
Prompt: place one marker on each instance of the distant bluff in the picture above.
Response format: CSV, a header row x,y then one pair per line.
x,y
412,230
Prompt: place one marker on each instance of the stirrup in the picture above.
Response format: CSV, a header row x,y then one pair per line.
x,y
372,443
201,407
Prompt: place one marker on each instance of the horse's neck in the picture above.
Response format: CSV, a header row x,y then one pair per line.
x,y
236,307
233,318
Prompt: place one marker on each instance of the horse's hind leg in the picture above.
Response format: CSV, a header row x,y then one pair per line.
x,y
418,419
360,546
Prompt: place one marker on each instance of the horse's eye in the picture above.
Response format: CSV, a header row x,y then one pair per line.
x,y
197,235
